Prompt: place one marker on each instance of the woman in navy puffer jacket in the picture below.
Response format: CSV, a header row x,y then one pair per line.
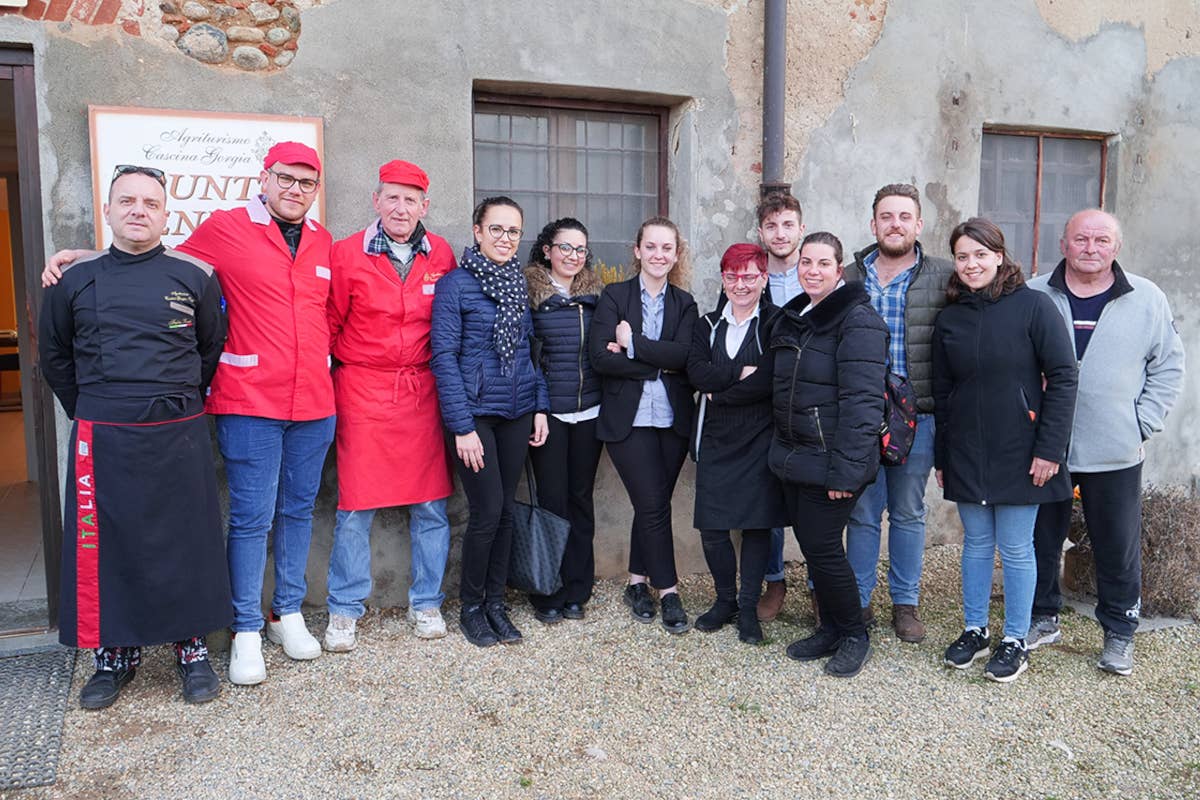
x,y
563,292
493,404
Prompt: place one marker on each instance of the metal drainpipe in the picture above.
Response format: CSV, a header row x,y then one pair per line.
x,y
773,99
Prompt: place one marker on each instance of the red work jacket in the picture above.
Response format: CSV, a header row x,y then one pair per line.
x,y
390,445
276,359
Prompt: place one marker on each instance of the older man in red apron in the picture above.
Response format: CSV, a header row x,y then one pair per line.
x,y
390,446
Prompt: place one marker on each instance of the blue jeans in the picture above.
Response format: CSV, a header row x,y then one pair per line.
x,y
1008,529
350,559
274,471
775,556
902,490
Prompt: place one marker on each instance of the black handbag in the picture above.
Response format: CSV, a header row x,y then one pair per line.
x,y
538,543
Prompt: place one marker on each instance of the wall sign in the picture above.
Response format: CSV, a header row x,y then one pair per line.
x,y
212,159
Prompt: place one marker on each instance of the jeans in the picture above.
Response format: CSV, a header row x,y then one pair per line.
x,y
350,559
818,522
775,556
274,471
1008,529
902,490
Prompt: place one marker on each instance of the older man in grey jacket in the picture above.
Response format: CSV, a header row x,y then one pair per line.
x,y
1130,373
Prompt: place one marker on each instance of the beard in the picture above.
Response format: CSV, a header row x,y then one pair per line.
x,y
895,252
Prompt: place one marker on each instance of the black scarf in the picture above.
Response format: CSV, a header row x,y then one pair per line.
x,y
505,285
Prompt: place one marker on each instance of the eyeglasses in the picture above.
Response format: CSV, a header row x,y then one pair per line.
x,y
307,185
498,231
137,169
734,278
567,249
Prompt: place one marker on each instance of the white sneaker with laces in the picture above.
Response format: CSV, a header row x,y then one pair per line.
x,y
246,666
291,632
427,622
339,634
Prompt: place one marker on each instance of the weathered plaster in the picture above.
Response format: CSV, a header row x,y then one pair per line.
x,y
1171,28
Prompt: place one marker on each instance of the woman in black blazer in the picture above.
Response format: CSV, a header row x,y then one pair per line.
x,y
639,341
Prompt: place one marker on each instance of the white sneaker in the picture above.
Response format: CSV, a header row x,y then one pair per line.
x,y
291,632
339,634
246,666
428,622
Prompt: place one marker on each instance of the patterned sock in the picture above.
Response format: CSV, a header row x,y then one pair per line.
x,y
189,651
115,659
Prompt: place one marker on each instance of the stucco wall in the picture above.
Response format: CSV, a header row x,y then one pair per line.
x,y
877,92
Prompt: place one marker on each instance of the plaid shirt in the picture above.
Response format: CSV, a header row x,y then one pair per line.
x,y
889,301
381,243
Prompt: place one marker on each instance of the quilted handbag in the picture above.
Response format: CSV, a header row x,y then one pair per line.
x,y
539,540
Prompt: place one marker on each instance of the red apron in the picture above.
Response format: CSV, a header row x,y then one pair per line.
x,y
391,448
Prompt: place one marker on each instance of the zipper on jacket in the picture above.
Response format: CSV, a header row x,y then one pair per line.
x,y
815,413
792,391
979,407
582,339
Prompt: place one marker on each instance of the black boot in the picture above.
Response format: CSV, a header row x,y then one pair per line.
x,y
724,610
749,628
475,627
200,683
497,617
102,689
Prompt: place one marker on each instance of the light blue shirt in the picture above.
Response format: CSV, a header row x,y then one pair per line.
x,y
654,409
890,302
784,285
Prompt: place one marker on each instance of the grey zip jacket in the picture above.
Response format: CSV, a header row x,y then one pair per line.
x,y
1130,375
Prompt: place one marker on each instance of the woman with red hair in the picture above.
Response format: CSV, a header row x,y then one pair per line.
x,y
734,486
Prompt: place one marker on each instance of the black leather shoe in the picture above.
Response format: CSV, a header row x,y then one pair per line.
x,y
821,644
674,618
548,616
200,683
102,689
497,617
749,628
573,611
717,617
641,604
475,627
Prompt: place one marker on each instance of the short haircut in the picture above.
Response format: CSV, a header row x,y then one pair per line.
x,y
826,238
775,202
744,254
1116,223
897,190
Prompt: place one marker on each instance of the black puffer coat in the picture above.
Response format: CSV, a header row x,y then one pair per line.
x,y
993,417
828,383
560,325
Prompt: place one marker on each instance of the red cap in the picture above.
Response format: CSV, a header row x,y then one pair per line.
x,y
404,172
744,253
292,153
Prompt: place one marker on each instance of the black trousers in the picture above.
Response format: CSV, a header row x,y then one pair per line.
x,y
487,542
1112,509
718,552
648,461
818,523
565,469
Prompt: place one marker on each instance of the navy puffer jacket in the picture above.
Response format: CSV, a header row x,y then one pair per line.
x,y
465,364
561,324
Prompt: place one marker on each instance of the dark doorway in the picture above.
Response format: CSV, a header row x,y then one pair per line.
x,y
30,512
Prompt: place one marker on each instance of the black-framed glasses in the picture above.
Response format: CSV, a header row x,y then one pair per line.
x,y
567,249
734,278
285,181
138,169
497,231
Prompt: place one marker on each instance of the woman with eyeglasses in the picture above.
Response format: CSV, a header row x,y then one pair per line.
x,y
829,356
563,291
735,489
493,403
639,342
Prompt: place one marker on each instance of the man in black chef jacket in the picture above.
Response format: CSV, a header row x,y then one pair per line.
x,y
129,340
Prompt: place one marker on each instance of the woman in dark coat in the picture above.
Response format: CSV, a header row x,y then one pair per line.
x,y
1004,379
735,489
829,356
563,291
639,342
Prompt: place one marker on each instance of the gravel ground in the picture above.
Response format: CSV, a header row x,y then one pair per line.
x,y
611,708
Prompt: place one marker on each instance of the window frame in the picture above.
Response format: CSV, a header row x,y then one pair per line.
x,y
1041,136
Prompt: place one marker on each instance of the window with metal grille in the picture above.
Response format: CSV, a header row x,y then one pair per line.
x,y
602,163
1030,183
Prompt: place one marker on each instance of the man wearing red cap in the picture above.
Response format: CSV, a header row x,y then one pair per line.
x,y
390,446
272,394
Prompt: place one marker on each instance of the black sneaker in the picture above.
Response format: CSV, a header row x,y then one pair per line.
x,y
102,689
972,645
548,616
851,655
674,618
1008,661
641,604
497,617
200,683
721,613
475,627
749,628
573,611
821,644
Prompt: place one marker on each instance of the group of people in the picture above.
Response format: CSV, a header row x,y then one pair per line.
x,y
477,365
